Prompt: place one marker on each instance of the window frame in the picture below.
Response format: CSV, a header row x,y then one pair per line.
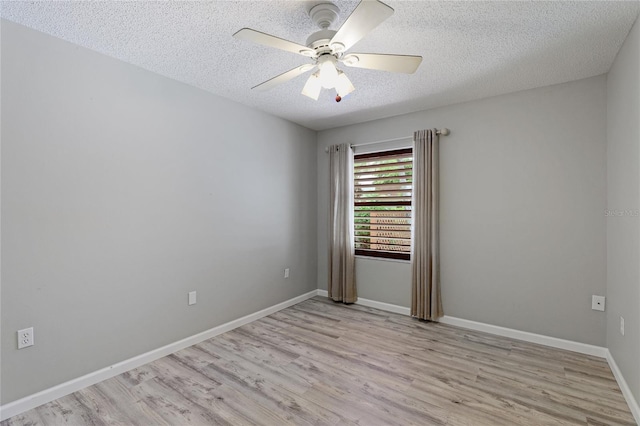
x,y
376,253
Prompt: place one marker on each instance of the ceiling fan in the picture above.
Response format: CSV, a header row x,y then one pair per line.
x,y
327,48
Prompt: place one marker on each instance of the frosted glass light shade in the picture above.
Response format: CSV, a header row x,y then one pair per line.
x,y
328,74
343,85
312,87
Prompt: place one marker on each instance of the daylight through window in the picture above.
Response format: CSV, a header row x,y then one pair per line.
x,y
382,210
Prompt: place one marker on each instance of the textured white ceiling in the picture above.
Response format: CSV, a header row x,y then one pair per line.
x,y
471,50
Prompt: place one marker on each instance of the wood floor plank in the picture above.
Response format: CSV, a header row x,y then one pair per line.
x,y
325,363
29,418
244,381
250,369
587,394
137,375
468,405
555,404
116,408
199,389
68,410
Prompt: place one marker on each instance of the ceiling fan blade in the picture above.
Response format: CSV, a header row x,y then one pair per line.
x,y
365,17
394,63
284,77
272,41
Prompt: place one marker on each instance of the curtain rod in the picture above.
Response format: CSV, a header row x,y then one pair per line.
x,y
444,132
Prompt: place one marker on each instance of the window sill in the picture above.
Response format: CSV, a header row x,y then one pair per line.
x,y
382,259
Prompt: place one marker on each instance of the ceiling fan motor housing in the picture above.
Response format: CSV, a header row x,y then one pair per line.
x,y
319,41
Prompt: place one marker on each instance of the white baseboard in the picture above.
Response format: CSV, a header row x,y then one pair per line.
x,y
554,342
384,306
540,339
624,387
32,401
375,304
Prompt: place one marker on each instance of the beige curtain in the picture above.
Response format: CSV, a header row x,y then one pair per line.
x,y
426,303
342,283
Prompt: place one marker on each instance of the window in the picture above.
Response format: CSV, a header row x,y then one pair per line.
x,y
382,210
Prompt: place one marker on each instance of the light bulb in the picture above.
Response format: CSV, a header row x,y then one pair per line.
x,y
328,74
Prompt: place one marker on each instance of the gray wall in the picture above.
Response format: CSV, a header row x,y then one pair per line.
x,y
123,190
623,195
523,191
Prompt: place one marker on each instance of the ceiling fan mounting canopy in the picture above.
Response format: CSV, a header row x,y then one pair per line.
x,y
324,14
327,48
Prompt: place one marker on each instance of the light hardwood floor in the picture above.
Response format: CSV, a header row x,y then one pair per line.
x,y
323,363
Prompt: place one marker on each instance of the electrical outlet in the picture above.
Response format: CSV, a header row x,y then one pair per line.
x,y
192,298
622,326
286,273
25,338
597,303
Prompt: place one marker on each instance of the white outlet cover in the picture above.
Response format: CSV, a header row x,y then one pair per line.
x,y
25,338
192,298
622,326
597,303
286,273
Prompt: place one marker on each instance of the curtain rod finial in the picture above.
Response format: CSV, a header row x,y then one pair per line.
x,y
444,131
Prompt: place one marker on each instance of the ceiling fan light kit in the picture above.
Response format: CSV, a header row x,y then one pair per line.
x,y
327,49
